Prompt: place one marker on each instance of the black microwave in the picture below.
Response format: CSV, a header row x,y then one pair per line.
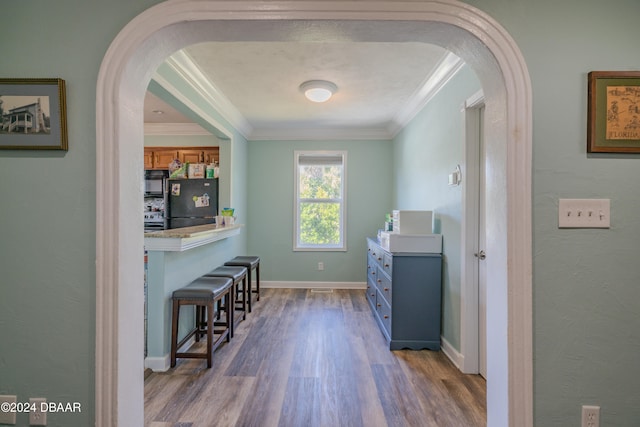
x,y
154,182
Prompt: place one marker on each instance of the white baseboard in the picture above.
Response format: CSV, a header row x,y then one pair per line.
x,y
158,364
454,355
313,285
163,363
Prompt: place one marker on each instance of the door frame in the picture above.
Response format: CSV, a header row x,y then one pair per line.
x,y
150,37
469,297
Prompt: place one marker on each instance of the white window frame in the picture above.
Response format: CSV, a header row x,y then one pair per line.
x,y
342,245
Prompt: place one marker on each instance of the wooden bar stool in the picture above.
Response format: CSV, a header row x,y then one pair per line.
x,y
203,293
239,276
251,263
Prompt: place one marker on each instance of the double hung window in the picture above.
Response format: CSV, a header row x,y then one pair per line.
x,y
320,200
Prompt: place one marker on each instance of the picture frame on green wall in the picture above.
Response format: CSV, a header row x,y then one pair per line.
x,y
613,112
33,114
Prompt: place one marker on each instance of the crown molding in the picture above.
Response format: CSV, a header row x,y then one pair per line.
x,y
307,134
190,129
448,66
192,75
187,102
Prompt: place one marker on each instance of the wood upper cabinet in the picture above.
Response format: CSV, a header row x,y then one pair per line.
x,y
160,157
194,155
148,159
211,154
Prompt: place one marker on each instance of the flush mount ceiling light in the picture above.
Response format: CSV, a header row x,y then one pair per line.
x,y
318,90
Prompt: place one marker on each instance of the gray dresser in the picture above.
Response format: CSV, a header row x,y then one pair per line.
x,y
404,292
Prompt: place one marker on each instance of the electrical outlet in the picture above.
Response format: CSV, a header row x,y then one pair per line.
x,y
320,266
37,417
590,416
584,213
8,409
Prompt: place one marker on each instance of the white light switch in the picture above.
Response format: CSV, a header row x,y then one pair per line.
x,y
584,213
455,177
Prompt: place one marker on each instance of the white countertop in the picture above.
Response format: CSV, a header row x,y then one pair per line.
x,y
182,239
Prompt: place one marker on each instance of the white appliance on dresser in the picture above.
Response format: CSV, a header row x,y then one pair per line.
x,y
412,232
412,222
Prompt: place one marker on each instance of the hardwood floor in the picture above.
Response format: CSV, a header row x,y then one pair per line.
x,y
305,358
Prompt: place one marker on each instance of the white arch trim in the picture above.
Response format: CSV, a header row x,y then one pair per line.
x,y
122,79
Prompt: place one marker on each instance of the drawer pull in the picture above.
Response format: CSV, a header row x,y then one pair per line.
x,y
386,317
373,273
379,305
386,266
386,289
373,295
379,258
379,281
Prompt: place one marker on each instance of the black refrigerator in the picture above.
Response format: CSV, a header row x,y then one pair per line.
x,y
191,202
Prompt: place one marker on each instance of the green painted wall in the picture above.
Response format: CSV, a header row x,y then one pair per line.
x,y
425,153
47,212
270,223
585,282
581,355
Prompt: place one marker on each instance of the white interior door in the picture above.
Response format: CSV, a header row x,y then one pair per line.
x,y
482,273
474,273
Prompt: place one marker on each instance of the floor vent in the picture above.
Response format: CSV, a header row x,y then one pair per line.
x,y
322,291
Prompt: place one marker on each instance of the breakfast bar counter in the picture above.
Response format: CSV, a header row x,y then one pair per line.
x,y
182,239
175,258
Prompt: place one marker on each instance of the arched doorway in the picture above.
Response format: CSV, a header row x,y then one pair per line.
x,y
156,33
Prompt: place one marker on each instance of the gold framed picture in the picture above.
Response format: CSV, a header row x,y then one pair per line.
x,y
613,124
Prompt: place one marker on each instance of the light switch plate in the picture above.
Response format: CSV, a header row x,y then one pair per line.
x,y
584,213
455,177
7,415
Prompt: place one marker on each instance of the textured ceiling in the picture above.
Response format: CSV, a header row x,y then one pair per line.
x,y
157,111
376,81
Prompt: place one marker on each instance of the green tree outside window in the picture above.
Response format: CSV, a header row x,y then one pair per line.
x,y
320,201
